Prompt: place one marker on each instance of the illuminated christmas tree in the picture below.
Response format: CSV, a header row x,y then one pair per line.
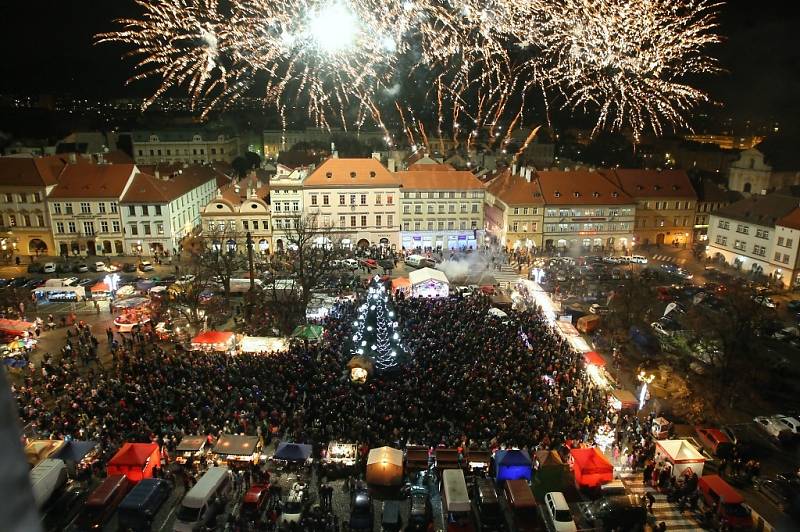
x,y
375,331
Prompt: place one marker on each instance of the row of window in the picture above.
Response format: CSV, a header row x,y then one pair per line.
x,y
364,221
476,194
664,205
35,197
85,206
202,151
23,220
552,212
661,222
451,208
787,243
133,229
450,225
587,227
784,259
286,206
144,210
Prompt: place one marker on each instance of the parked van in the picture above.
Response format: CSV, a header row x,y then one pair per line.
x,y
523,505
103,501
204,502
455,501
618,512
725,502
47,477
137,510
637,259
49,267
557,514
415,260
715,441
488,514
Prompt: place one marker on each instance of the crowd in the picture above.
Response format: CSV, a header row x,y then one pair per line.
x,y
472,380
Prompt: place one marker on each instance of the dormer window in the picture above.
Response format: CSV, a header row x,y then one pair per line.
x,y
372,174
353,175
596,194
557,194
656,187
639,187
329,175
576,194
615,194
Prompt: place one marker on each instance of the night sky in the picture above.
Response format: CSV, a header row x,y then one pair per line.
x,y
49,49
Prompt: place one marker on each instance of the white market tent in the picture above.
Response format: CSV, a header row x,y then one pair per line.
x,y
263,344
427,282
682,455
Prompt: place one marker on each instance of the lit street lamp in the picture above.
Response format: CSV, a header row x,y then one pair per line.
x,y
645,380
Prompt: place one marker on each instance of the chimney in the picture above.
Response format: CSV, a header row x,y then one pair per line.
x,y
376,155
73,158
157,174
514,169
391,165
528,172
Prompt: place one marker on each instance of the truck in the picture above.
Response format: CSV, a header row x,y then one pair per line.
x,y
46,478
588,324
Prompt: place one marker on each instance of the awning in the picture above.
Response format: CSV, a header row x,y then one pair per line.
x,y
263,344
593,358
100,287
213,338
236,445
15,326
75,451
308,332
292,452
191,444
425,274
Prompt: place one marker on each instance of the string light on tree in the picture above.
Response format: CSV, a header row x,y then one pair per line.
x,y
375,334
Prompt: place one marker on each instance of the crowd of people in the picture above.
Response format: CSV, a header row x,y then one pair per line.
x,y
471,380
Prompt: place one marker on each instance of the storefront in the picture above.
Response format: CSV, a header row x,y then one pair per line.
x,y
434,241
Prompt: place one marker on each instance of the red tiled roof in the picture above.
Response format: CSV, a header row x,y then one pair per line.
x,y
514,189
423,179
579,187
653,183
31,171
791,220
149,189
351,172
429,167
83,180
117,157
247,184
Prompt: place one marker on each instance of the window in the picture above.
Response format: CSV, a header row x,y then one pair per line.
x,y
440,225
416,226
146,228
789,242
295,206
389,199
473,225
352,199
516,210
104,226
675,222
406,226
417,209
739,244
363,199
60,227
115,226
785,258
341,199
134,229
71,227
158,210
326,199
277,206
255,225
88,228
431,208
40,220
515,227
742,229
759,250
463,225
464,207
145,210
378,220
68,207
723,240
56,208
778,256
114,207
352,221
132,210
441,208
450,224
390,220
474,207
37,197
245,225
780,240
313,199
12,220
430,226
377,198
9,198
101,207
363,220
406,209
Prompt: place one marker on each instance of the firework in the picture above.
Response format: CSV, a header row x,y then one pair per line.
x,y
343,59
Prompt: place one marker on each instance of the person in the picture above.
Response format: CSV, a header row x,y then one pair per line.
x,y
650,501
662,527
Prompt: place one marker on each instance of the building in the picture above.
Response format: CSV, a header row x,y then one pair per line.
x,y
276,141
193,146
25,183
759,234
665,204
710,198
585,211
514,210
726,142
441,208
749,173
163,206
286,200
358,199
237,209
84,208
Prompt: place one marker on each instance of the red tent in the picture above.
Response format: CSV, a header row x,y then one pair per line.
x,y
591,467
15,327
135,460
593,358
213,341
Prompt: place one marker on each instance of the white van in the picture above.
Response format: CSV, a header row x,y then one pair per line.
x,y
455,497
49,267
48,476
557,514
415,260
204,502
637,259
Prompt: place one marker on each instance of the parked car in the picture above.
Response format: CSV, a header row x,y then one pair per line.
x,y
103,502
765,301
774,428
787,333
715,441
64,509
255,500
725,503
361,514
146,266
128,267
486,505
596,308
80,268
637,259
620,512
557,513
350,263
49,267
71,281
99,267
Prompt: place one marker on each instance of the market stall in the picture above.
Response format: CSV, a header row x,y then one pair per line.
x,y
512,464
308,333
129,303
682,455
263,344
293,452
550,473
385,466
478,460
661,428
14,328
427,282
191,448
339,457
132,317
214,341
38,450
447,458
79,456
401,285
623,400
100,291
416,458
59,294
135,460
238,450
19,346
590,467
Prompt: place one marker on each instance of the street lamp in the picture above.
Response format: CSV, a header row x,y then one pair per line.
x,y
645,380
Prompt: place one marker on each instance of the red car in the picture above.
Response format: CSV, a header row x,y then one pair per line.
x,y
369,263
715,441
255,500
664,294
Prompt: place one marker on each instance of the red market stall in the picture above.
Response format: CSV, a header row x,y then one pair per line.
x,y
623,400
135,460
100,291
682,455
219,341
591,468
593,358
15,328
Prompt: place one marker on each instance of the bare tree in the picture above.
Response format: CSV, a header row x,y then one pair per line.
x,y
192,299
630,305
221,254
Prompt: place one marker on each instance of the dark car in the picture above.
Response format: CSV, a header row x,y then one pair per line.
x,y
36,267
4,283
793,305
488,513
621,512
361,517
138,509
64,509
421,514
19,282
128,267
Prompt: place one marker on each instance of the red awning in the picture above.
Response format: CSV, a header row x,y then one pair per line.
x,y
213,337
593,358
15,326
100,287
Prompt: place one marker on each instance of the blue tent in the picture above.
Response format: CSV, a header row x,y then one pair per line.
x,y
75,451
512,464
293,452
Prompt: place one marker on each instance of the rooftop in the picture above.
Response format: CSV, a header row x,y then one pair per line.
x,y
31,171
422,179
147,188
84,180
422,167
514,189
585,187
336,172
763,210
710,192
653,183
182,135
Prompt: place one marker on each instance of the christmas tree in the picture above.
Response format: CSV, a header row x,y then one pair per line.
x,y
375,331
